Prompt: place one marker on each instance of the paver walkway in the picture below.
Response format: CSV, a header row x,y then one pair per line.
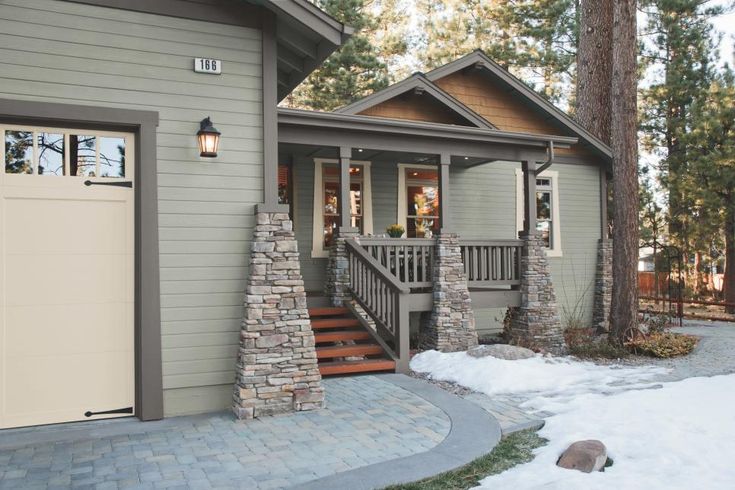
x,y
368,420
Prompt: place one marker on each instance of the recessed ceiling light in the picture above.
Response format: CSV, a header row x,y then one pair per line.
x,y
359,150
466,158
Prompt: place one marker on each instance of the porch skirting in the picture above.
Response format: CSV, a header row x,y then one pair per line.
x,y
277,367
536,324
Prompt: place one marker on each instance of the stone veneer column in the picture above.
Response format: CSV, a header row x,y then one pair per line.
x,y
452,325
337,284
535,324
603,286
277,367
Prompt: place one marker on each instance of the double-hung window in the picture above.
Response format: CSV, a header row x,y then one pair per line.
x,y
418,200
548,224
326,203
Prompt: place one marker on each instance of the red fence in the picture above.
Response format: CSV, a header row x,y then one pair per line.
x,y
647,283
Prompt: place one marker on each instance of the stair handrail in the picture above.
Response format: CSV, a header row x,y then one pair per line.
x,y
383,298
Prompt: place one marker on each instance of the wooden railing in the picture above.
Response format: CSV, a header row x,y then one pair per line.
x,y
492,262
410,260
383,297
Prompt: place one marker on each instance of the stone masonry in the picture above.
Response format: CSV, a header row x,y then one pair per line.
x,y
337,284
277,367
603,286
535,324
452,325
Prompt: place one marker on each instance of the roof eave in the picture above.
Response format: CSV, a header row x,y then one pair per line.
x,y
397,126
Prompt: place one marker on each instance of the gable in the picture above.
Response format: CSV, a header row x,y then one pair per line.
x,y
505,109
502,108
414,107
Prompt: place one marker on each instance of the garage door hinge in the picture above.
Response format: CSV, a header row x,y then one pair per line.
x,y
110,412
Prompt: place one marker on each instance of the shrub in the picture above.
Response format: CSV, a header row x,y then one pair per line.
x,y
585,344
663,344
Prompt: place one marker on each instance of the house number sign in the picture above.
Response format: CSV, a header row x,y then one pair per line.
x,y
207,65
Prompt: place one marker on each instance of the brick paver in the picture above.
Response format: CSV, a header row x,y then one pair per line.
x,y
367,420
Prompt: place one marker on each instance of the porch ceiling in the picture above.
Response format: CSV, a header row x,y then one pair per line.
x,y
372,155
467,146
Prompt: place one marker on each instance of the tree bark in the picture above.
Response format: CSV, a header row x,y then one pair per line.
x,y
594,67
729,279
624,314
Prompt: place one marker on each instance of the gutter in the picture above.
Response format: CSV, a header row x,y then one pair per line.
x,y
374,124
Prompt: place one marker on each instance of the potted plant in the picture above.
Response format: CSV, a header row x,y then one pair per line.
x,y
395,230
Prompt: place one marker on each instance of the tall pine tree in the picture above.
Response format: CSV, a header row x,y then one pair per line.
x,y
359,67
680,50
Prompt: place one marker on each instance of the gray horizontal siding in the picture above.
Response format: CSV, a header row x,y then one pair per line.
x,y
58,51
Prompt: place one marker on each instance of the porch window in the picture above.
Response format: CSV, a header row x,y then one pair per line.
x,y
326,211
547,209
285,186
422,202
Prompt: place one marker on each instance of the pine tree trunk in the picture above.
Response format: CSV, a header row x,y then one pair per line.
x,y
729,279
594,67
624,315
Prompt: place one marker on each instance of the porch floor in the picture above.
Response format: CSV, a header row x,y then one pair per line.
x,y
369,420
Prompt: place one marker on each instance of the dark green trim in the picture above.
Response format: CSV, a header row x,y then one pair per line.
x,y
148,368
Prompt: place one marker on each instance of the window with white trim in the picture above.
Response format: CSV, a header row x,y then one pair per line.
x,y
418,200
548,224
326,202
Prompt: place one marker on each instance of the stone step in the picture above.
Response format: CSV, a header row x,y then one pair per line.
x,y
328,311
348,351
341,336
323,323
351,367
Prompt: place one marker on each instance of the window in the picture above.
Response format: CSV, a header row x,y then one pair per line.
x,y
285,186
418,197
547,209
64,152
326,199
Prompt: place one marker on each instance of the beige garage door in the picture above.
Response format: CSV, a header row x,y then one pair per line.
x,y
67,277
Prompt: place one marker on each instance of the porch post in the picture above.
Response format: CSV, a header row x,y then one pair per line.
x,y
445,214
270,115
529,197
452,324
345,154
338,268
536,323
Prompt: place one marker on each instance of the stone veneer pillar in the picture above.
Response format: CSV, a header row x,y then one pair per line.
x,y
535,324
337,284
603,286
277,367
452,325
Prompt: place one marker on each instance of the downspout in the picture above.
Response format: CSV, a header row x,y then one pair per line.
x,y
549,160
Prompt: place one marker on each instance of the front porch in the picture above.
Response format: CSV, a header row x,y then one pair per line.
x,y
343,198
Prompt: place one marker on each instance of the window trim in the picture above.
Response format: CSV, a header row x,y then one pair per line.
x,y
317,238
402,214
555,250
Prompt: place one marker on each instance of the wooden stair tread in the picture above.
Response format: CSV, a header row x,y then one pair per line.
x,y
341,335
348,367
328,311
334,323
348,350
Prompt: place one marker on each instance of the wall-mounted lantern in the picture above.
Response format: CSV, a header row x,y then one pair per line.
x,y
208,139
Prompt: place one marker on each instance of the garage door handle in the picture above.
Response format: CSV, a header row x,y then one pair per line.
x,y
109,412
126,183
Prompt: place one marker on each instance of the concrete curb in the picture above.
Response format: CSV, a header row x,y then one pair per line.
x,y
474,433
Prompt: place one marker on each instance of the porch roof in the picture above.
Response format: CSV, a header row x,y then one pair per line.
x,y
328,129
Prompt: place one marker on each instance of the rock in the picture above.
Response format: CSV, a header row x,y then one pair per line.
x,y
501,351
586,456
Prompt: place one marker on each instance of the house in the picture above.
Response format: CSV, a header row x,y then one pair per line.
x,y
132,228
